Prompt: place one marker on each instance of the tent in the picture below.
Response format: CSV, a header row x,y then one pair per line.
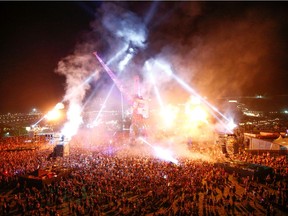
x,y
282,142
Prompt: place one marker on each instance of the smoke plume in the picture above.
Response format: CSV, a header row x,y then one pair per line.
x,y
219,53
116,28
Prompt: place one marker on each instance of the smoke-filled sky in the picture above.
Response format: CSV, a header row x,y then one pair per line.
x,y
220,48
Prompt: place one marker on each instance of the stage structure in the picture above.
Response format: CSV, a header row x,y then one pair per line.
x,y
228,143
62,147
140,107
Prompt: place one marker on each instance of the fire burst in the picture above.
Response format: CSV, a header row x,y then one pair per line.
x,y
195,111
169,115
55,113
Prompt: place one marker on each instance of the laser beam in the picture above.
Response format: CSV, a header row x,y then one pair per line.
x,y
103,105
166,68
160,152
156,90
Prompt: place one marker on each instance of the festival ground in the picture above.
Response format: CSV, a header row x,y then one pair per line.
x,y
250,207
211,200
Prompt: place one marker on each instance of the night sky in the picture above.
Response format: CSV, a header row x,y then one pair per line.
x,y
221,48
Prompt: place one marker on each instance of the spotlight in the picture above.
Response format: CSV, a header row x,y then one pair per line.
x,y
132,49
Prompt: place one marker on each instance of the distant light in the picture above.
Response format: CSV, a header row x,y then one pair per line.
x,y
34,110
232,101
131,50
28,129
286,111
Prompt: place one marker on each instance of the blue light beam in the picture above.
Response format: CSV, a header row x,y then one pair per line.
x,y
156,90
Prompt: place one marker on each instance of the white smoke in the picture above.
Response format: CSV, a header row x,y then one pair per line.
x,y
124,25
117,29
77,68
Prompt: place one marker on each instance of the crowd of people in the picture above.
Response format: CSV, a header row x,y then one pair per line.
x,y
128,180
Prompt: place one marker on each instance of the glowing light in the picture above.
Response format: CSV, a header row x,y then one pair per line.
x,y
125,61
231,125
131,50
164,154
194,110
145,141
196,114
74,121
166,68
59,106
195,100
169,115
53,115
28,129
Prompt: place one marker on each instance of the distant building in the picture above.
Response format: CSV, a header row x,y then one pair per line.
x,y
15,124
19,119
266,141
